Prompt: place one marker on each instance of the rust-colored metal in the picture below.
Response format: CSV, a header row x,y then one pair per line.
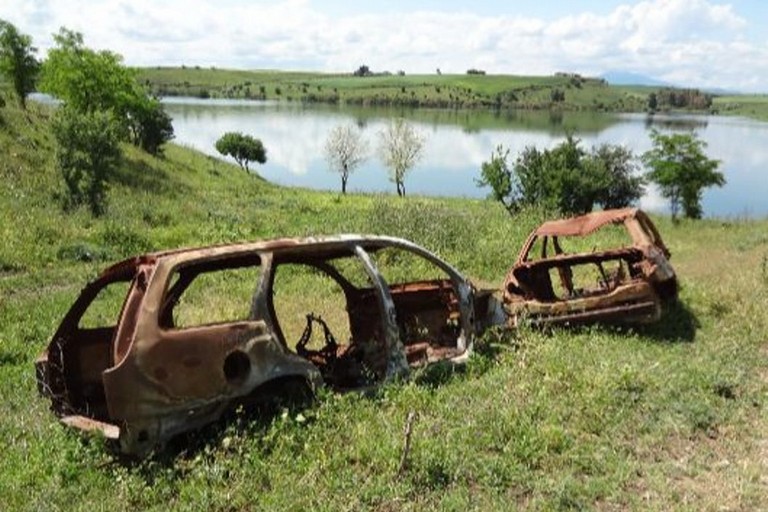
x,y
142,379
630,283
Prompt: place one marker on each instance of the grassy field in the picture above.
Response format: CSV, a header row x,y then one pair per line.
x,y
672,416
749,105
457,91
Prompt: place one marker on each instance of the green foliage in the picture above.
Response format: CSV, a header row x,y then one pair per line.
x,y
17,60
243,148
400,148
84,79
682,171
88,81
149,124
565,178
653,102
624,182
496,173
88,153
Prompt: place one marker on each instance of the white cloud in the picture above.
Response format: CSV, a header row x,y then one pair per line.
x,y
696,42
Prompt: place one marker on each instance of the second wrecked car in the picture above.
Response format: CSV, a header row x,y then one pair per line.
x,y
166,342
565,274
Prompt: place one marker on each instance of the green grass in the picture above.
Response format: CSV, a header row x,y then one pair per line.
x,y
507,92
749,105
671,416
456,91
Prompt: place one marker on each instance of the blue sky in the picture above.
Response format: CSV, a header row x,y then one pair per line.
x,y
703,43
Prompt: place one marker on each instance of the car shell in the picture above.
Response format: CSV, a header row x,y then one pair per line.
x,y
142,380
540,287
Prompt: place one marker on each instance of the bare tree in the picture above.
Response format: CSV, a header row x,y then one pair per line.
x,y
400,147
345,150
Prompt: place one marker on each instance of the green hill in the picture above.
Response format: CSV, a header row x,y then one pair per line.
x,y
565,92
668,417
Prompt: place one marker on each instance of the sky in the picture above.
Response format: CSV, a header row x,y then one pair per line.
x,y
696,43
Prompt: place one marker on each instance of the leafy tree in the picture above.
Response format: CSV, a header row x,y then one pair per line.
x,y
505,186
565,178
682,171
87,153
570,184
87,80
363,70
653,102
149,124
90,81
17,60
345,150
624,183
400,148
243,148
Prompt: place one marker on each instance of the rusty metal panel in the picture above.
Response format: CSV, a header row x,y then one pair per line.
x,y
144,380
630,286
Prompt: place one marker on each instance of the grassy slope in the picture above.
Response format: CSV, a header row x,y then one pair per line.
x,y
531,92
668,417
422,90
749,105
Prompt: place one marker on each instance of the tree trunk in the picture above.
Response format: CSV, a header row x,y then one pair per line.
x,y
343,184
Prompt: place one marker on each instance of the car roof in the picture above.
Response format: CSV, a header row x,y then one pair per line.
x,y
586,224
325,246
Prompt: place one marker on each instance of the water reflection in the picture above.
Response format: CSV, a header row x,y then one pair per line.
x,y
459,141
675,122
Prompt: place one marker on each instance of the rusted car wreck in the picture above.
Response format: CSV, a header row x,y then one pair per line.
x,y
170,356
551,283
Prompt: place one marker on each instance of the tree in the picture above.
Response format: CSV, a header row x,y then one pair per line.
x,y
624,183
87,153
565,178
400,148
149,124
682,171
345,150
363,70
653,102
17,60
243,148
87,80
505,186
90,81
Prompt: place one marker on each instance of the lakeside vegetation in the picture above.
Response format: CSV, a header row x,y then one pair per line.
x,y
671,416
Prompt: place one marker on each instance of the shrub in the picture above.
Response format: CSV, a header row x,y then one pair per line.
x,y
87,153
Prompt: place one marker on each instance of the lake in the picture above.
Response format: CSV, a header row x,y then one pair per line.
x,y
457,143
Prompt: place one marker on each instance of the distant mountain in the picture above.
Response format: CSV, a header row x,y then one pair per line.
x,y
629,78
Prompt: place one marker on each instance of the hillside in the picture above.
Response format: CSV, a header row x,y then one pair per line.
x,y
672,416
566,92
748,105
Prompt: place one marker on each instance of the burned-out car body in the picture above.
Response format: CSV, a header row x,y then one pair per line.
x,y
550,283
191,333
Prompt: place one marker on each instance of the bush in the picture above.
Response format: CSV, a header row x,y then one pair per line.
x,y
87,153
150,125
565,178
